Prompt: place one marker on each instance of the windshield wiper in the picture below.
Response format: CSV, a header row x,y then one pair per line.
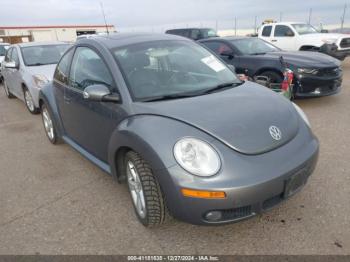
x,y
37,64
221,87
168,97
258,53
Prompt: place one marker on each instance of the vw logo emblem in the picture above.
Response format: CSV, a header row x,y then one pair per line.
x,y
275,133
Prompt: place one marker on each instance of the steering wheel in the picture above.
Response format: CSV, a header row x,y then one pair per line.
x,y
182,77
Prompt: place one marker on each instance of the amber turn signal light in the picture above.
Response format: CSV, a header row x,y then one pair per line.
x,y
203,194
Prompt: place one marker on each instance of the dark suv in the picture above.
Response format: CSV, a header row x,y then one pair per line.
x,y
193,33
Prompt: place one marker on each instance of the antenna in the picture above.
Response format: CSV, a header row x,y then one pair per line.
x,y
342,19
104,17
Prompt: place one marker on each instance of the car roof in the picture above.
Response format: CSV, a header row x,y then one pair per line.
x,y
226,38
191,28
115,40
29,44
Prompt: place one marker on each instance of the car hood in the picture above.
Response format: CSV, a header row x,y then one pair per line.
x,y
306,59
45,70
322,36
239,117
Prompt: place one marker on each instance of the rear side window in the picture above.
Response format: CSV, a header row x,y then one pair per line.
x,y
283,31
87,69
266,30
62,69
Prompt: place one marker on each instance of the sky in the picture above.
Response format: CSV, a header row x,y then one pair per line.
x,y
159,15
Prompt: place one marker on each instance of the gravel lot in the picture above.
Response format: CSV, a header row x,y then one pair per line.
x,y
53,201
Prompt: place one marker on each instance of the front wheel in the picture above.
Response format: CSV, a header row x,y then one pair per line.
x,y
273,77
28,99
49,125
147,197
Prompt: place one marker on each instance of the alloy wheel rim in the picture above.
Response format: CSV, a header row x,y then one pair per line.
x,y
29,100
136,190
48,124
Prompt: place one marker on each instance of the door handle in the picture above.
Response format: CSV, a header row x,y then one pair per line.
x,y
273,40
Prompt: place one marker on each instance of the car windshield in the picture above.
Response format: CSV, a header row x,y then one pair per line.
x,y
304,29
209,33
3,49
253,46
171,69
43,54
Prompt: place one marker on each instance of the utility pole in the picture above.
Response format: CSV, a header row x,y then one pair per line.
x,y
310,14
255,21
216,25
235,26
342,19
281,16
104,17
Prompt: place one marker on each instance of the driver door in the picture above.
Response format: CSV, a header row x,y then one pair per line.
x,y
284,38
89,123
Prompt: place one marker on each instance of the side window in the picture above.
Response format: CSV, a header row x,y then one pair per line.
x,y
88,69
8,55
14,56
266,31
218,47
62,69
195,34
283,31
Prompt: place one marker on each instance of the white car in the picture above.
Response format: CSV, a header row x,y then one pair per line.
x,y
28,67
3,48
294,36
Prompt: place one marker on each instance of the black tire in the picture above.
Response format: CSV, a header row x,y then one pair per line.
x,y
54,139
31,108
7,91
273,76
155,208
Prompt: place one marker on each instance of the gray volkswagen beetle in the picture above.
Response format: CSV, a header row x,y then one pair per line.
x,y
170,119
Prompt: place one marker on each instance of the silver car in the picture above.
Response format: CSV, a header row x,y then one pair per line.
x,y
28,67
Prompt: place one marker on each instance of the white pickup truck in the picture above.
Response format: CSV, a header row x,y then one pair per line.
x,y
292,36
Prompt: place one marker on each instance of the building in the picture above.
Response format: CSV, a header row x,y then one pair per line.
x,y
20,34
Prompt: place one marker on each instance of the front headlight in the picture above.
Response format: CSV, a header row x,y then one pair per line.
x,y
197,157
302,114
309,71
40,80
329,40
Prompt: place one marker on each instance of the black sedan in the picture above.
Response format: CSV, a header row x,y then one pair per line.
x,y
316,74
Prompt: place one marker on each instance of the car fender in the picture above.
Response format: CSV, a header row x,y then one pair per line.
x,y
153,137
47,96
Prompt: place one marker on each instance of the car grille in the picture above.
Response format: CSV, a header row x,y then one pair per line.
x,y
345,43
328,72
236,213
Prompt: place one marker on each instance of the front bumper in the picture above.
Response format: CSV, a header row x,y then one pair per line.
x,y
333,50
315,86
252,184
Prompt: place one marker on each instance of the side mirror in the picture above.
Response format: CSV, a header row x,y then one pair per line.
x,y
11,65
100,93
289,34
228,54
